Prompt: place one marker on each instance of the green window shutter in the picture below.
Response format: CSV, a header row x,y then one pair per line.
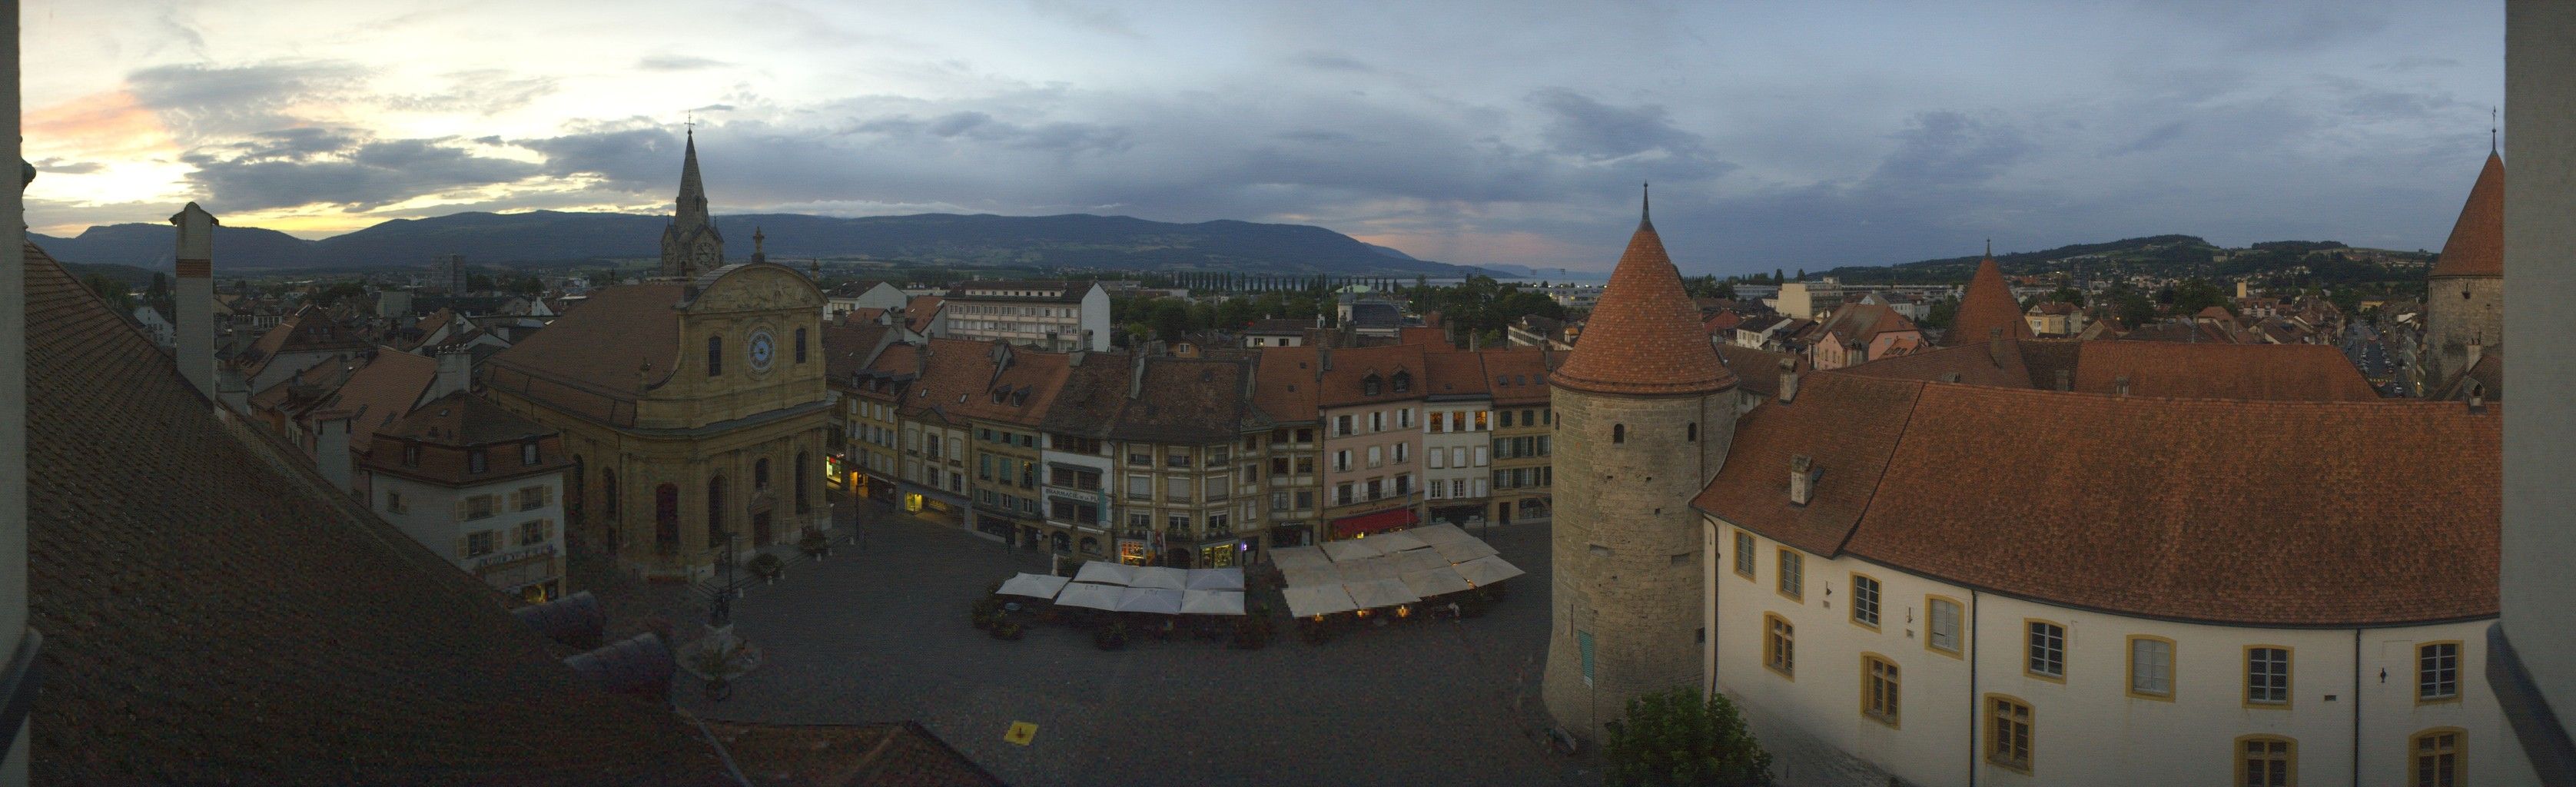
x,y
1583,642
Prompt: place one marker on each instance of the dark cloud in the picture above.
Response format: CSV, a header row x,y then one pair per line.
x,y
1582,127
340,168
979,127
2155,138
1331,61
199,102
1948,149
61,167
677,63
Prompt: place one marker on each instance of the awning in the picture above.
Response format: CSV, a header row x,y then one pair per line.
x,y
1311,576
1318,600
1392,543
1160,601
1212,602
1034,586
1299,557
1439,534
1435,582
1106,573
1085,594
1380,593
1391,519
1216,579
1160,577
1347,551
1487,570
1463,551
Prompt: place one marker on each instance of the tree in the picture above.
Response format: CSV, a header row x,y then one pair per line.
x,y
1676,738
2067,295
1941,314
112,291
2195,294
1171,319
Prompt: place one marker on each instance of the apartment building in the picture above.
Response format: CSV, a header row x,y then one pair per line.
x,y
1056,316
1522,475
1457,433
1371,401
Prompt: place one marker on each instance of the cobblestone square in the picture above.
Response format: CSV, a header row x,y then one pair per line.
x,y
879,632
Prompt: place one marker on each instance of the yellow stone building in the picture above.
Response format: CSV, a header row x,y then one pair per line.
x,y
693,407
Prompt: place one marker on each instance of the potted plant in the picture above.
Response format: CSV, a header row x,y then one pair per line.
x,y
814,543
1006,630
1110,637
768,567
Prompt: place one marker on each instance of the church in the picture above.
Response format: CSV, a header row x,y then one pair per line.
x,y
692,404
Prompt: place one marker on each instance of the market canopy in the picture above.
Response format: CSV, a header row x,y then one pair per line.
x,y
1161,601
1034,586
1090,595
1106,573
1463,551
1159,577
1370,569
1318,600
1347,551
1436,582
1488,570
1412,560
1291,557
1392,543
1301,576
1381,521
1212,602
1216,579
1380,593
1439,534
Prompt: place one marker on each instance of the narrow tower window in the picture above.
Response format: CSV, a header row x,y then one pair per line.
x,y
1691,432
1618,433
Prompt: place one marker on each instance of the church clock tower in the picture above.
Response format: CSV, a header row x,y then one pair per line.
x,y
690,244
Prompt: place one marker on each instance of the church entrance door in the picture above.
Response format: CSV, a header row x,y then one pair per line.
x,y
760,529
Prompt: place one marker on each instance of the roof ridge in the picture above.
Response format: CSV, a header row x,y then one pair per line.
x,y
1904,432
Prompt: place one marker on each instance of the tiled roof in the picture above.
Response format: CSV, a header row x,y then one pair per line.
x,y
1287,387
215,613
1987,305
380,392
1644,336
2259,372
1518,374
959,380
847,346
1093,393
1758,371
599,350
1289,326
1185,400
1861,323
2476,247
920,311
1347,370
1455,373
448,428
2206,510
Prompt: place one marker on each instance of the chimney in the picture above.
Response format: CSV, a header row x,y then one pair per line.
x,y
2122,384
331,448
1802,479
455,375
194,297
2477,399
1788,380
2065,380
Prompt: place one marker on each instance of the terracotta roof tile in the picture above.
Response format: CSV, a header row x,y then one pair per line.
x,y
1758,371
1456,374
1288,384
380,393
2205,510
2476,247
2259,372
1644,336
1346,372
328,648
1518,374
1986,306
1185,400
594,354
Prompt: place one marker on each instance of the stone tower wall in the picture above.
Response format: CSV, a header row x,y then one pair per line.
x,y
1628,555
2452,322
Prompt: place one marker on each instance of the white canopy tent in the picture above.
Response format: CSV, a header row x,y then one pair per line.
x,y
1216,579
1293,557
1488,570
1318,600
1368,569
1106,573
1380,593
1034,585
1304,576
1161,601
1090,595
1413,560
1212,602
1463,551
1435,582
1438,534
1391,543
1354,549
1160,577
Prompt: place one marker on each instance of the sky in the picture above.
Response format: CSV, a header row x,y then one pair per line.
x,y
1776,135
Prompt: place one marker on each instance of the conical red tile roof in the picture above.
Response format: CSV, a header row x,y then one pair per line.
x,y
1644,337
1987,305
2476,247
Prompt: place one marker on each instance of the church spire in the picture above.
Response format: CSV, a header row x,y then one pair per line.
x,y
1646,206
690,244
691,210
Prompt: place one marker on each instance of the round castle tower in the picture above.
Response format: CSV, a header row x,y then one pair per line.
x,y
2464,293
1644,413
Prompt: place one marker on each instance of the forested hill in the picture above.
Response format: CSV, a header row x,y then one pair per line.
x,y
2166,256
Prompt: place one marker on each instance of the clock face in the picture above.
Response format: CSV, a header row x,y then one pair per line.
x,y
761,349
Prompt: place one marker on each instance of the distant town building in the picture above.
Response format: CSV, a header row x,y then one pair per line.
x,y
1055,316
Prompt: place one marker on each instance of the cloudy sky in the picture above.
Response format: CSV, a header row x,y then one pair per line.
x,y
1776,134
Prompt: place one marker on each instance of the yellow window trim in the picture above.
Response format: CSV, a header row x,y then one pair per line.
x,y
1780,563
2460,680
2173,677
1986,708
2245,686
1742,539
2459,751
2065,647
1853,613
2238,755
1891,720
1792,672
1963,626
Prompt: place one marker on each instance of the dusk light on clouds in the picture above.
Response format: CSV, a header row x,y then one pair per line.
x,y
1776,135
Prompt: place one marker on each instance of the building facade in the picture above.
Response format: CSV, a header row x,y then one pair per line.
x,y
1523,435
1056,316
480,487
2464,298
1370,400
1457,437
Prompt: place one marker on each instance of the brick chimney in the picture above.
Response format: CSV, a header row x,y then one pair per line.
x,y
1802,479
1788,380
194,297
455,374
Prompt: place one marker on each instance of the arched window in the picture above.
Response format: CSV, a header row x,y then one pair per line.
x,y
760,474
804,467
607,493
1691,434
666,517
715,355
715,511
1618,433
800,345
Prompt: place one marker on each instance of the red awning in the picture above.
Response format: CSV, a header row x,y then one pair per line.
x,y
1381,521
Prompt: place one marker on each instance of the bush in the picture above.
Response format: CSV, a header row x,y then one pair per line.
x,y
986,611
814,543
1676,738
767,566
1006,630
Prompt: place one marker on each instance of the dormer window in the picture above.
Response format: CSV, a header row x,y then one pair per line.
x,y
1369,386
1403,382
528,453
476,461
411,454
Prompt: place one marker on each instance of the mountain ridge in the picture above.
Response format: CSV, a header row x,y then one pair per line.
x,y
1074,242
